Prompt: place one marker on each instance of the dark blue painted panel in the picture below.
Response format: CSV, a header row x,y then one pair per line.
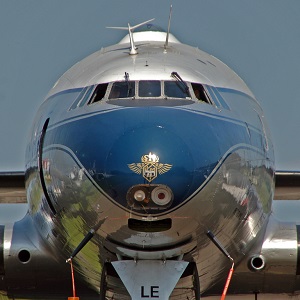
x,y
192,143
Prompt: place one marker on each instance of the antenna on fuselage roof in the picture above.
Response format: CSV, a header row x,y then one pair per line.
x,y
169,25
130,30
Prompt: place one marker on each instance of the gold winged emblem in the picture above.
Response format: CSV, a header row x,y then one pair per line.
x,y
149,167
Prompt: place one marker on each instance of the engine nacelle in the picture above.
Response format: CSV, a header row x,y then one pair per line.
x,y
26,267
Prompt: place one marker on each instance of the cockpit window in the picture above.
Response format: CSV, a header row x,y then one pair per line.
x,y
200,92
217,98
86,96
175,89
122,89
99,92
149,88
78,99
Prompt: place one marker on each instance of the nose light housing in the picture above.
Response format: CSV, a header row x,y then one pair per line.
x,y
149,197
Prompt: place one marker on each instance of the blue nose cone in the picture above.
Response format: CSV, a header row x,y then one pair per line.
x,y
146,157
157,158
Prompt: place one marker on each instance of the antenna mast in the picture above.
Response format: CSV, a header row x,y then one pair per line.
x,y
130,30
169,25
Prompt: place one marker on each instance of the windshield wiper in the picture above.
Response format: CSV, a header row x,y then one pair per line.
x,y
129,88
183,86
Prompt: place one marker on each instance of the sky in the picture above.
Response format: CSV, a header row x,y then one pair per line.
x,y
41,39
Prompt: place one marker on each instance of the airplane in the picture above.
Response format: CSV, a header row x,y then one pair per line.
x,y
149,175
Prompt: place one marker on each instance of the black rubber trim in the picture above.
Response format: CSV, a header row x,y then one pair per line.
x,y
40,161
2,250
298,249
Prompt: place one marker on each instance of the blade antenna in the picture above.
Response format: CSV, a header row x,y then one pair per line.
x,y
130,31
132,46
169,25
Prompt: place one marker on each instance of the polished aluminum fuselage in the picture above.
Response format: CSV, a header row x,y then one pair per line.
x,y
221,155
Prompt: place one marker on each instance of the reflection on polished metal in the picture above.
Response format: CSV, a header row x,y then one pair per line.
x,y
12,187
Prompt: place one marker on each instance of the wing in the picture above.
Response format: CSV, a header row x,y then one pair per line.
x,y
12,188
163,168
136,168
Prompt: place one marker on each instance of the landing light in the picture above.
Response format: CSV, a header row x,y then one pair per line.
x,y
139,195
161,195
149,197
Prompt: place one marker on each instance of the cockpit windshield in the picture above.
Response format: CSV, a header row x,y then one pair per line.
x,y
173,89
122,89
149,88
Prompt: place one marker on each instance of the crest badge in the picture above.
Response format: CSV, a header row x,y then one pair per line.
x,y
149,167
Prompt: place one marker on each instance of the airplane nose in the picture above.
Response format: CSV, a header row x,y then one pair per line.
x,y
152,166
160,159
